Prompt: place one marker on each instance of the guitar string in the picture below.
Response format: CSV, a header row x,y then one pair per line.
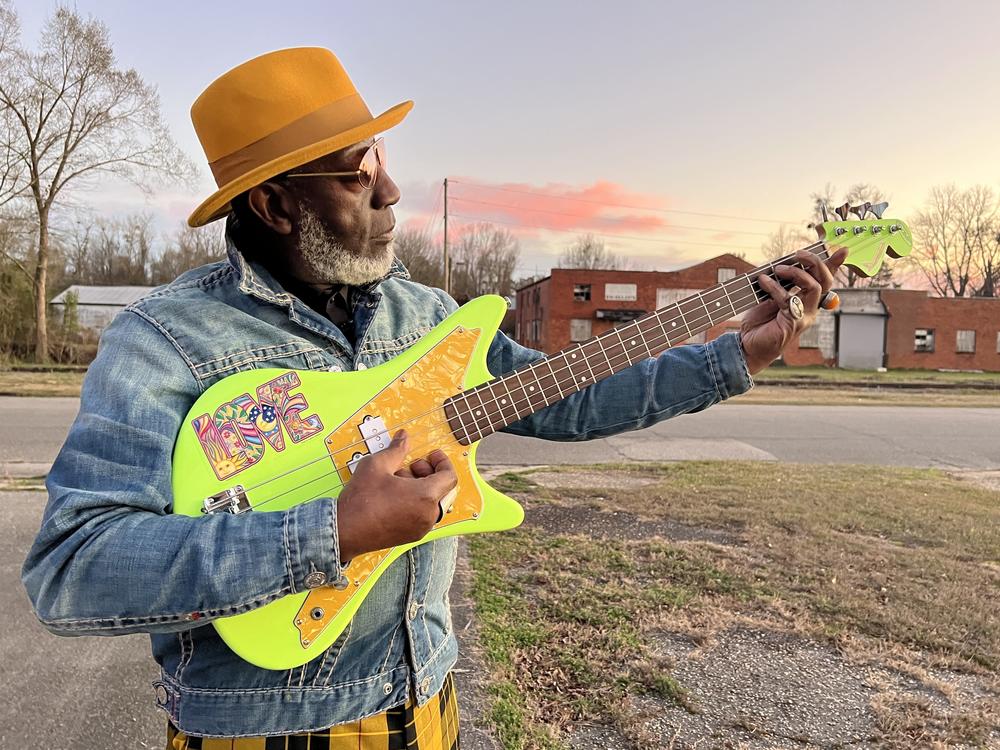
x,y
744,297
741,299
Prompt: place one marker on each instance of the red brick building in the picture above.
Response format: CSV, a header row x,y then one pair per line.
x,y
893,328
905,328
574,304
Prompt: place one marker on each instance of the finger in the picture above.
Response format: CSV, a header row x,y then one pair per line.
x,y
777,292
421,468
817,269
810,289
391,459
439,458
837,259
444,479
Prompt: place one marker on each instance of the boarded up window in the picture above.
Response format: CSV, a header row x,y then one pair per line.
x,y
620,292
923,340
581,292
809,338
965,341
725,274
579,329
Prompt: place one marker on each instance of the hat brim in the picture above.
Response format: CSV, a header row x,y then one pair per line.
x,y
217,206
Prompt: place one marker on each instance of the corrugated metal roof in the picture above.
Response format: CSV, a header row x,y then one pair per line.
x,y
117,296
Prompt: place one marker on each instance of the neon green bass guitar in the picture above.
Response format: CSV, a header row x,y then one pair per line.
x,y
267,440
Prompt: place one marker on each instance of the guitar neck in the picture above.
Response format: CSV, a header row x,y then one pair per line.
x,y
481,411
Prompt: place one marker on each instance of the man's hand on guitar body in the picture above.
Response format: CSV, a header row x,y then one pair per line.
x,y
768,328
386,504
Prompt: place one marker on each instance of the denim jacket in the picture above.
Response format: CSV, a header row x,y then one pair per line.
x,y
110,557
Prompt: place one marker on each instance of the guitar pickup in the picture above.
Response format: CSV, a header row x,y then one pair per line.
x,y
376,437
375,434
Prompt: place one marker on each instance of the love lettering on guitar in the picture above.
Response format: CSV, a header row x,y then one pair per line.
x,y
267,440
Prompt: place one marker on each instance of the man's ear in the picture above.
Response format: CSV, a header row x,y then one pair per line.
x,y
275,206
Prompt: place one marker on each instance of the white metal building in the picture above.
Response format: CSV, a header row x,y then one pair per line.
x,y
97,305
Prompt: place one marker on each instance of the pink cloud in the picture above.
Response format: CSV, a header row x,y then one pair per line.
x,y
603,207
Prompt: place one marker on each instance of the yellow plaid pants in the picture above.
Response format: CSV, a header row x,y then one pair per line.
x,y
433,726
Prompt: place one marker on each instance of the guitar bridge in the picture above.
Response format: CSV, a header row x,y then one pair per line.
x,y
233,500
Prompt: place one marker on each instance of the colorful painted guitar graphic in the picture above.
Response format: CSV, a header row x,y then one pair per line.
x,y
267,440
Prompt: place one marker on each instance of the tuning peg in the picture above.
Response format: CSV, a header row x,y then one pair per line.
x,y
861,209
842,211
879,208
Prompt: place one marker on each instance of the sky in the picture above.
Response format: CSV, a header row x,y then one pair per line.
x,y
673,130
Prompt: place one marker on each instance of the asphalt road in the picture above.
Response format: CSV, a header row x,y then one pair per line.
x,y
95,692
34,429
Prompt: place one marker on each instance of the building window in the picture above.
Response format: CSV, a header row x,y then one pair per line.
x,y
809,338
725,274
620,292
579,329
998,342
923,340
581,292
965,341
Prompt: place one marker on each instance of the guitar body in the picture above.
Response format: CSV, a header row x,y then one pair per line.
x,y
278,438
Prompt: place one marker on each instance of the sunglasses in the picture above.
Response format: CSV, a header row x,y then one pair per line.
x,y
367,171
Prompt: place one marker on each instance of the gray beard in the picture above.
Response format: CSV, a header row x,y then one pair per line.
x,y
329,262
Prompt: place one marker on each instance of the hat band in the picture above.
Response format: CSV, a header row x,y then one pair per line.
x,y
319,125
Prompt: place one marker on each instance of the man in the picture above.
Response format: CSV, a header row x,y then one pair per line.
x,y
310,283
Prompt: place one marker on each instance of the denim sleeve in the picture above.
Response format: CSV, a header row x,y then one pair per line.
x,y
109,557
681,380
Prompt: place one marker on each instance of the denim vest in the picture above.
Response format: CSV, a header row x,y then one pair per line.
x,y
110,558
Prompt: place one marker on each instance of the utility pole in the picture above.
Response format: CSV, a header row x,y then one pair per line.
x,y
447,260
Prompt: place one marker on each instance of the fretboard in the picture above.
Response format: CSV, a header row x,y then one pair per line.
x,y
480,411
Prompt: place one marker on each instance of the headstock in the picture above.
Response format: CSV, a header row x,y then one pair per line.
x,y
868,241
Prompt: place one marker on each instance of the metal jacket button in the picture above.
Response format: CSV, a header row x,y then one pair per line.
x,y
387,688
315,579
334,368
161,695
425,685
414,609
362,366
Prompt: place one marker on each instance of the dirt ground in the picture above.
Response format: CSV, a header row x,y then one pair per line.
x,y
757,675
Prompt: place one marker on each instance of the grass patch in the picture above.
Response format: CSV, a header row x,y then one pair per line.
x,y
839,374
40,383
896,565
816,395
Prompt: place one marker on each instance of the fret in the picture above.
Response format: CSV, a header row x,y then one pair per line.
x,y
753,289
555,378
461,422
533,388
604,351
684,320
708,314
586,359
507,400
728,298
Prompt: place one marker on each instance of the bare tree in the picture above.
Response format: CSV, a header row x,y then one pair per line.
x,y
485,258
69,114
110,251
590,252
959,248
785,241
187,249
422,258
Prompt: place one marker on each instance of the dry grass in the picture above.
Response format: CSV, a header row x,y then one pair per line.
x,y
897,570
22,383
874,396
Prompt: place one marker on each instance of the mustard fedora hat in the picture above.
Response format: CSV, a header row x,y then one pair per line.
x,y
275,112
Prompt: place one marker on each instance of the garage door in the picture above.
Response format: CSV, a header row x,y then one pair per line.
x,y
861,341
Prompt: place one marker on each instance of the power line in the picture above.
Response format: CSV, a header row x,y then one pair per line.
x,y
621,205
718,246
583,216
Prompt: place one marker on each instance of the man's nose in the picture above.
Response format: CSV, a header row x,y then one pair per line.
x,y
386,192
